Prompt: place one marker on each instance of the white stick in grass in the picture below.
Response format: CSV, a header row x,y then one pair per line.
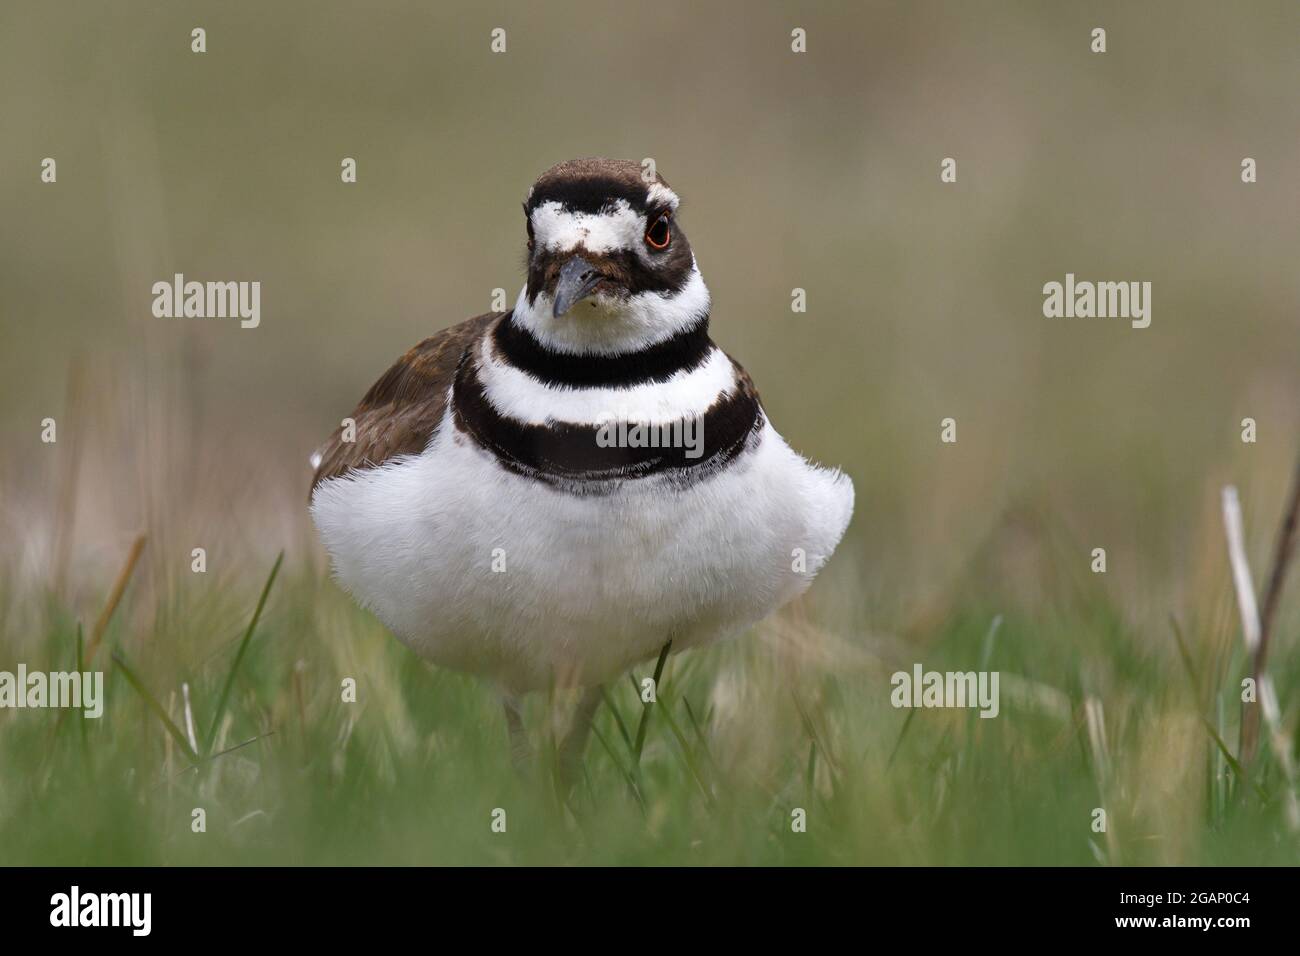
x,y
1240,568
1250,629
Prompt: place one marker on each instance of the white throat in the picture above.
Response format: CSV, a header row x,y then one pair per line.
x,y
603,325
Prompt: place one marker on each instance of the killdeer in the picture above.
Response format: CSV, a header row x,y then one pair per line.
x,y
488,514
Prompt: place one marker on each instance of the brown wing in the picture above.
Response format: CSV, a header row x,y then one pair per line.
x,y
744,382
400,412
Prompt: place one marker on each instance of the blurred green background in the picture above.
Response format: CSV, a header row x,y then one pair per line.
x,y
818,171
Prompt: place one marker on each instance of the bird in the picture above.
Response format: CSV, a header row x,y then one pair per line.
x,y
550,495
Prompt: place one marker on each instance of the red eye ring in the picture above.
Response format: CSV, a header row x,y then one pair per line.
x,y
657,238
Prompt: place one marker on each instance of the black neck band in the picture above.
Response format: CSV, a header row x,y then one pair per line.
x,y
582,454
683,351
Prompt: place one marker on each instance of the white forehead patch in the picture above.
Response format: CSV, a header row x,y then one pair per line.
x,y
619,227
658,194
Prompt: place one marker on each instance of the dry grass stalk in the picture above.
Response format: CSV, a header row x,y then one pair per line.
x,y
115,597
1283,552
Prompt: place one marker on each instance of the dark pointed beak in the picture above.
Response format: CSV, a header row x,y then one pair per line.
x,y
577,278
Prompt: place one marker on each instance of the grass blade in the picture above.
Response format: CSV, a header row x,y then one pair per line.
x,y
618,718
699,733
224,699
687,756
628,778
156,707
907,722
1232,761
115,596
811,730
1188,665
645,710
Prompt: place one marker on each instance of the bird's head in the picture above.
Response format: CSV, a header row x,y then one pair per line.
x,y
609,267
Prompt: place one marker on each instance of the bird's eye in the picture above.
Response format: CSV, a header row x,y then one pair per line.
x,y
659,235
529,222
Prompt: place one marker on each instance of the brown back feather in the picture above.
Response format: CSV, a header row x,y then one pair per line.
x,y
400,412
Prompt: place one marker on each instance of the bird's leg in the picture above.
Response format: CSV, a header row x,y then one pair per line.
x,y
575,741
521,754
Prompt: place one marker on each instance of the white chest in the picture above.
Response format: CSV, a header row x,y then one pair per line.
x,y
483,570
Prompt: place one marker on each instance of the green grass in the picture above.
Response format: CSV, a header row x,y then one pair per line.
x,y
790,716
